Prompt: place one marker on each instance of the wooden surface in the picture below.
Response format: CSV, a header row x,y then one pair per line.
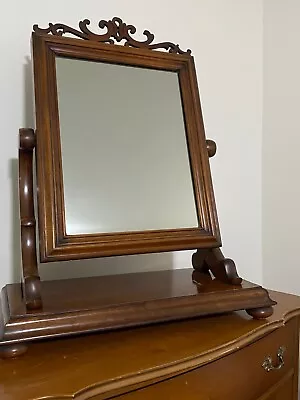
x,y
55,244
31,279
100,303
117,31
237,376
170,356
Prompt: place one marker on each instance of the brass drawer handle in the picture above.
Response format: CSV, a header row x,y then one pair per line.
x,y
268,363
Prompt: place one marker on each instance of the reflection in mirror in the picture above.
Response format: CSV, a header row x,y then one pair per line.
x,y
124,153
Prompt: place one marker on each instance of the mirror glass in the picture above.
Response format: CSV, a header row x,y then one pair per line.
x,y
124,152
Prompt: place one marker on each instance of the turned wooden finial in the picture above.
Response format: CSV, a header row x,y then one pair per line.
x,y
211,147
26,139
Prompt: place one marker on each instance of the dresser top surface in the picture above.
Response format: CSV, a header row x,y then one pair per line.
x,y
106,357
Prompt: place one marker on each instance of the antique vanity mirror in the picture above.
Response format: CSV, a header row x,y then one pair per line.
x,y
122,168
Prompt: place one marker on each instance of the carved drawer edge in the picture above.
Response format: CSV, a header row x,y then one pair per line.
x,y
127,383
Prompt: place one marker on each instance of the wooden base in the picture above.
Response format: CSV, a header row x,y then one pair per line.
x,y
101,303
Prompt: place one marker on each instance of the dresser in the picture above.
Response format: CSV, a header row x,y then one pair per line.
x,y
216,358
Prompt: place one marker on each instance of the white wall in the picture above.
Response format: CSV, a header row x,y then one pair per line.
x,y
226,39
281,143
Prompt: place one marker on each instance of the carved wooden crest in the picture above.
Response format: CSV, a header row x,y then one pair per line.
x,y
117,30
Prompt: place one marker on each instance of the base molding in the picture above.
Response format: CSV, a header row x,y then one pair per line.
x,y
85,305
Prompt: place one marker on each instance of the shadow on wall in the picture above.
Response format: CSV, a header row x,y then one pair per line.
x,y
15,222
106,266
70,269
14,174
28,111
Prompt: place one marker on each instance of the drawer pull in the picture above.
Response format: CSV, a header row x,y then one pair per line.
x,y
268,363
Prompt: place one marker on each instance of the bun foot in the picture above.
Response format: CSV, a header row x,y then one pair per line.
x,y
260,313
12,351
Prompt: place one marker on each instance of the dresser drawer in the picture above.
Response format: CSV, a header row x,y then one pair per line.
x,y
239,375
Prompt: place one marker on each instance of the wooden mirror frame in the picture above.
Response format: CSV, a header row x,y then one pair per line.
x,y
55,244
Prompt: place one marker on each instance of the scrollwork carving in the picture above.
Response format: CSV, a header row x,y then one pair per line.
x,y
116,31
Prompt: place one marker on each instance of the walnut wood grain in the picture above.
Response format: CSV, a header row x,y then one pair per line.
x,y
116,31
106,303
224,269
111,302
215,379
115,363
55,244
31,278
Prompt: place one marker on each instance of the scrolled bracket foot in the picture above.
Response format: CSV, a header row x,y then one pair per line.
x,y
227,272
223,269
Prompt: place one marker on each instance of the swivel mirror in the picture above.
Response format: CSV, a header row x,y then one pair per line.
x,y
122,168
131,119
